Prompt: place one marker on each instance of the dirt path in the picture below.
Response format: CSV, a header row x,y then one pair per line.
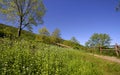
x,y
113,59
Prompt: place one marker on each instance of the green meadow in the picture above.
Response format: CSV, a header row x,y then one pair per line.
x,y
34,58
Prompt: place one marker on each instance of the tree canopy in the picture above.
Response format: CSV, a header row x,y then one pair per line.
x,y
43,35
56,33
44,32
24,13
73,39
55,36
97,40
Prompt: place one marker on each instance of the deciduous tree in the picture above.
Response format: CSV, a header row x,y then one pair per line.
x,y
24,12
97,40
55,36
43,36
56,33
73,39
43,31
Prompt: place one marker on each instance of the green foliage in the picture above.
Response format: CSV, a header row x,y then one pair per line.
x,y
97,40
24,13
43,39
33,58
44,32
56,33
7,31
54,40
43,36
11,32
55,36
73,39
73,44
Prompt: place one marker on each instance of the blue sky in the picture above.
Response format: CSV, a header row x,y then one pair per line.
x,y
82,18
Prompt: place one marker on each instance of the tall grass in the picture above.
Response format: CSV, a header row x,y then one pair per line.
x,y
34,58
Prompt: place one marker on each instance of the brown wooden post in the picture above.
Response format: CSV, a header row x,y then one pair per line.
x,y
116,49
100,49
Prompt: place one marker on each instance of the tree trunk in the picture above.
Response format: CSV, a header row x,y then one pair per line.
x,y
20,27
19,31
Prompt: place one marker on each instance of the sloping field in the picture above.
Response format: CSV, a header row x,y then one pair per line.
x,y
109,58
34,58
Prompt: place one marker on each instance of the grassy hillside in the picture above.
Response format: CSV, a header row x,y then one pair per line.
x,y
33,58
11,32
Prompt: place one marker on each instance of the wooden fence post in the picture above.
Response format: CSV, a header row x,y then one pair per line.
x,y
100,49
116,49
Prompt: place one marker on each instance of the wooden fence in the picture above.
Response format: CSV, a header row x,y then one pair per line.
x,y
116,49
